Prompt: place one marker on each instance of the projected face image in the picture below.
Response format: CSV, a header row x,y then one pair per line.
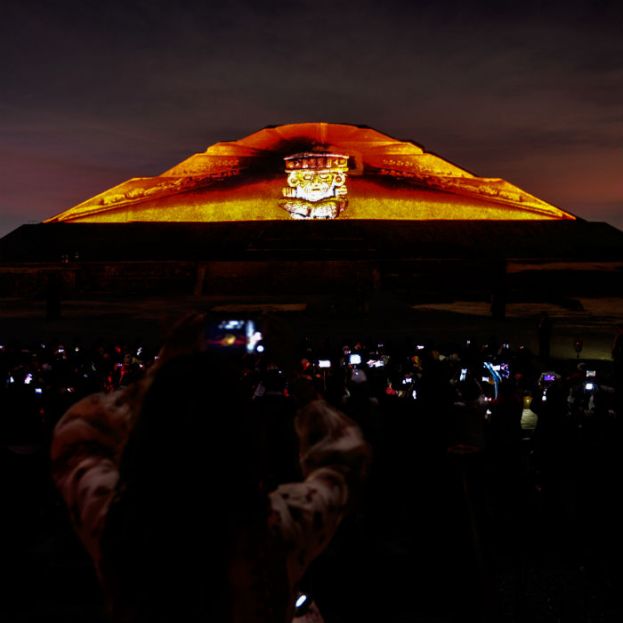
x,y
316,185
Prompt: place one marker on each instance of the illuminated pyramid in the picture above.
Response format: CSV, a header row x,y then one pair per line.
x,y
312,171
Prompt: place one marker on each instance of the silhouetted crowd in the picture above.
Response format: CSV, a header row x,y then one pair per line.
x,y
493,471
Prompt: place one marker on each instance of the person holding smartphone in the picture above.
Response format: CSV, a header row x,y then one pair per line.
x,y
164,482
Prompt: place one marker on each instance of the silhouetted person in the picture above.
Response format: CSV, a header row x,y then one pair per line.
x,y
165,484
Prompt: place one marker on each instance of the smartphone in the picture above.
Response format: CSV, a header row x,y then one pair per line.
x,y
463,374
375,363
233,334
354,359
324,363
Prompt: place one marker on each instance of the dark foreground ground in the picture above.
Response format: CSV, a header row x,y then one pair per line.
x,y
440,537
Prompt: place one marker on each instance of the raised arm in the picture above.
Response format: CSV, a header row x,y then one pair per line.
x,y
86,451
90,438
334,457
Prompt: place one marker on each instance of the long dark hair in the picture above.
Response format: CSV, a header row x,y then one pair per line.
x,y
190,490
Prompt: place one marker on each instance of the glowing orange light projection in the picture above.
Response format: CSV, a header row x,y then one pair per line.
x,y
332,171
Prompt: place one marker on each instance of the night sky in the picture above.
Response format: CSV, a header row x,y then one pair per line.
x,y
95,92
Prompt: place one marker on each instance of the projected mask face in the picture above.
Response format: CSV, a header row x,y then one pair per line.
x,y
316,185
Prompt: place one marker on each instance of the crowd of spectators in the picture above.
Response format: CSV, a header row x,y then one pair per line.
x,y
481,453
39,381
